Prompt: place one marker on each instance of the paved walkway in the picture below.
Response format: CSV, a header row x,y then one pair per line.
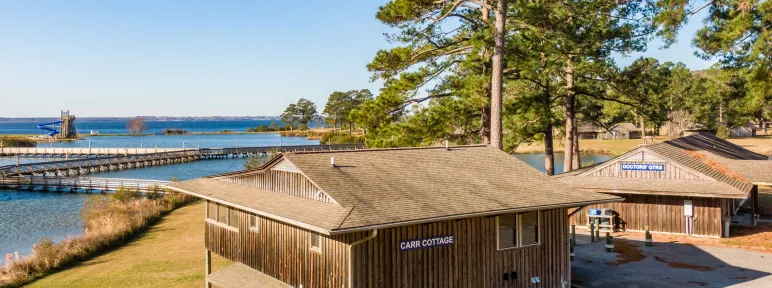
x,y
668,265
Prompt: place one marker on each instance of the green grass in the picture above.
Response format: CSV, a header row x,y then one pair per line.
x,y
169,254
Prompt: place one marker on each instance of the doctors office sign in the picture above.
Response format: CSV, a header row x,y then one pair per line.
x,y
642,167
423,243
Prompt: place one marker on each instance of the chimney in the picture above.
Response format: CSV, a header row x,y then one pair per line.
x,y
332,162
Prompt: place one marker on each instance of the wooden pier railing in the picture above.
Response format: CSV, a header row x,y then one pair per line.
x,y
80,184
85,165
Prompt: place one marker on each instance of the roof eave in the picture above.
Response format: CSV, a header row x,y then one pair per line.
x,y
469,215
257,212
663,193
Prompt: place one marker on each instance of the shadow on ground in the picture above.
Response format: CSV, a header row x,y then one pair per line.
x,y
667,265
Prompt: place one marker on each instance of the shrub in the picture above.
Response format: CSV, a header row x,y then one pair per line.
x,y
722,132
335,138
124,194
17,142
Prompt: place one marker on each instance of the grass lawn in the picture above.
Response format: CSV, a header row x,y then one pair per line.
x,y
760,144
169,254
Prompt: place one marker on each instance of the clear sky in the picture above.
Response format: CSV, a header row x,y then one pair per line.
x,y
196,58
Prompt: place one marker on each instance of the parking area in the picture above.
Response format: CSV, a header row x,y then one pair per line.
x,y
667,265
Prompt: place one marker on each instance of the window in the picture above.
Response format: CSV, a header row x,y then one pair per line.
x,y
253,223
212,211
518,230
222,214
233,217
316,242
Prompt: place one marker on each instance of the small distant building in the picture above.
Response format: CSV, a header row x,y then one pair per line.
x,y
694,185
748,130
694,129
617,131
467,216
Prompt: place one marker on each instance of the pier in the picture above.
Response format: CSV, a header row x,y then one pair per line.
x,y
129,158
38,152
80,184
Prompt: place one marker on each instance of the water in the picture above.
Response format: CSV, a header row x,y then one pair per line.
x,y
30,216
84,126
189,141
537,160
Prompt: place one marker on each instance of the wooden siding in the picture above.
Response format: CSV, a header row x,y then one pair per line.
x,y
289,183
672,171
664,214
473,261
281,251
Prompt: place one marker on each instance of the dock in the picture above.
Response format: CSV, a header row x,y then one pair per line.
x,y
112,159
80,184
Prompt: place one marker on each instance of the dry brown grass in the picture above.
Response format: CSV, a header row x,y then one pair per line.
x,y
759,144
757,238
109,222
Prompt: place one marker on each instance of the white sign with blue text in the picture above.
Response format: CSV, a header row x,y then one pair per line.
x,y
643,167
423,243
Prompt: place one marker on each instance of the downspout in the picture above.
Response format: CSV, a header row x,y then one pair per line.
x,y
351,256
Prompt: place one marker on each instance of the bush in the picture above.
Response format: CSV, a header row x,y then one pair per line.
x,y
722,132
108,223
334,138
124,194
17,142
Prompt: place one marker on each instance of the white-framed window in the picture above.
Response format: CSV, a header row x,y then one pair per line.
x,y
253,223
315,242
218,213
518,230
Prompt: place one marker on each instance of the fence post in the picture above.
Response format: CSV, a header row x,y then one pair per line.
x,y
592,232
609,242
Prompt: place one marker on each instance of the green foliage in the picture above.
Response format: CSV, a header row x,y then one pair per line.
x,y
301,113
17,142
722,132
336,138
124,194
340,105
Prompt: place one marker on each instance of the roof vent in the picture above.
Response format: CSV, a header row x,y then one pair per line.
x,y
332,162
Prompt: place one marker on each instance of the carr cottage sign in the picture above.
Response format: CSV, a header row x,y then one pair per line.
x,y
423,243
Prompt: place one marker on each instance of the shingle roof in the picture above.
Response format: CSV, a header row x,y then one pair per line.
x,y
391,187
707,154
271,204
388,186
673,187
628,126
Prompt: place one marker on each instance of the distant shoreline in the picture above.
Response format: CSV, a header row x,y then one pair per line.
x,y
148,118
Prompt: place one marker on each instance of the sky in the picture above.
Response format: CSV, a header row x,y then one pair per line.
x,y
197,58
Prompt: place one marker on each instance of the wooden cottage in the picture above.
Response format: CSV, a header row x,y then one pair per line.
x,y
692,185
468,216
617,131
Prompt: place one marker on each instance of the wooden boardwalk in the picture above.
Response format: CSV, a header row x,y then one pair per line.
x,y
80,184
76,152
130,159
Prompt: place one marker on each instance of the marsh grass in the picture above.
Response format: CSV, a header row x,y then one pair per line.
x,y
109,222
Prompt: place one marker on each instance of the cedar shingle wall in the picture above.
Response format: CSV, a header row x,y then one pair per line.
x,y
473,261
663,214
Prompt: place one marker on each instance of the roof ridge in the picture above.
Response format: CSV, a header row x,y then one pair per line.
x,y
384,149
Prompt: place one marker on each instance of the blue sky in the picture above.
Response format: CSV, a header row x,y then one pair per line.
x,y
196,58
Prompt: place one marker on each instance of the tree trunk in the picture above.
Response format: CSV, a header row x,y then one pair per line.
x,y
549,153
350,127
570,101
497,73
643,126
485,121
575,160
